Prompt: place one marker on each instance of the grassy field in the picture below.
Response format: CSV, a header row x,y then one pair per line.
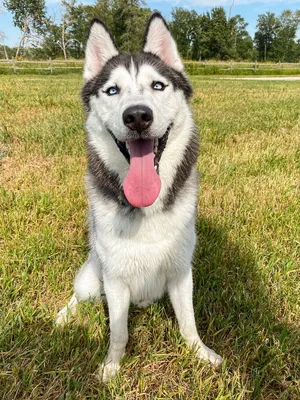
x,y
246,267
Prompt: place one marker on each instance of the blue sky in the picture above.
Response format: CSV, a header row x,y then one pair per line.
x,y
249,9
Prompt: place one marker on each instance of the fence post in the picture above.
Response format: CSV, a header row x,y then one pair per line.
x,y
51,65
14,65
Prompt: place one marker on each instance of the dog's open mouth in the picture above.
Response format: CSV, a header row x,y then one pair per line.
x,y
142,183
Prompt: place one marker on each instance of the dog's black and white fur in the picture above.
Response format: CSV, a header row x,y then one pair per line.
x,y
139,253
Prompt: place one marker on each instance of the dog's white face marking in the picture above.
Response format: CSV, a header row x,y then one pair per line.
x,y
136,88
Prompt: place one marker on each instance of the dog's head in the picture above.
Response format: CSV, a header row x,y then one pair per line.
x,y
136,99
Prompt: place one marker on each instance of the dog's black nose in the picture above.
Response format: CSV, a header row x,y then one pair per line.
x,y
138,118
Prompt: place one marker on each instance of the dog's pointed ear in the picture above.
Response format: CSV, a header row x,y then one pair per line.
x,y
159,41
100,48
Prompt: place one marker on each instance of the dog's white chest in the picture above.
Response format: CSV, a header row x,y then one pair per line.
x,y
141,252
147,283
137,256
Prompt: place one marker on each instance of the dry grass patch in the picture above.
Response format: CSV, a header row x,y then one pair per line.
x,y
48,173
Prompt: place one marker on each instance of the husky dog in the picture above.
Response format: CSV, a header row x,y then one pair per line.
x,y
141,183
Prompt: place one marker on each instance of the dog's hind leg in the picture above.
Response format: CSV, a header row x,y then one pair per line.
x,y
88,285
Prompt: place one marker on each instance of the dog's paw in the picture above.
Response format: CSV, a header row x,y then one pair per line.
x,y
62,317
108,370
207,354
65,314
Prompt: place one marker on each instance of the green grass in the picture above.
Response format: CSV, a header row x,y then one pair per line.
x,y
262,70
246,267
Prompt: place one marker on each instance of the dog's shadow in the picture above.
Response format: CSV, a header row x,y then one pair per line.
x,y
234,310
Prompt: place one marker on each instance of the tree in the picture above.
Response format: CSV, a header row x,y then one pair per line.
x,y
284,45
51,39
103,11
125,18
185,27
297,50
28,16
68,36
129,18
66,22
211,35
80,17
60,37
265,35
205,37
242,41
221,39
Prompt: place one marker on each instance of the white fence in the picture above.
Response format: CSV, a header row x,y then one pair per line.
x,y
194,68
49,65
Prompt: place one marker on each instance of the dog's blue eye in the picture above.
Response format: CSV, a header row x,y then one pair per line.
x,y
158,86
112,90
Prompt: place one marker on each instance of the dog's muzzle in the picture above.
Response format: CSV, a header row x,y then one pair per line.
x,y
159,146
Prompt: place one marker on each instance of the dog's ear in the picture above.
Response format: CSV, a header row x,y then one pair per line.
x,y
100,48
159,41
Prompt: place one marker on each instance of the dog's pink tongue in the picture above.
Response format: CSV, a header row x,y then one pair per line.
x,y
141,184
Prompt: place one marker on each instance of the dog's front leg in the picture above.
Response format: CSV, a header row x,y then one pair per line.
x,y
181,295
118,299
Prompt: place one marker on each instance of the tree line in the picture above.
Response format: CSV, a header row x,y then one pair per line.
x,y
211,35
